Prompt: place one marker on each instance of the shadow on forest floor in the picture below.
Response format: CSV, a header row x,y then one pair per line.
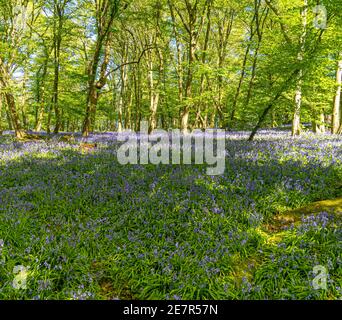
x,y
280,221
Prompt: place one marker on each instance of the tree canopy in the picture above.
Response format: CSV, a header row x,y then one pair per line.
x,y
99,65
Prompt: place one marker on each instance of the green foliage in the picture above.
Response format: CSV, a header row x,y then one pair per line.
x,y
244,52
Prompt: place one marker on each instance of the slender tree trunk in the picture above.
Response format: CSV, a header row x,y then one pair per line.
x,y
154,94
128,114
48,121
56,86
188,86
113,104
274,123
243,73
9,97
318,123
238,89
57,41
296,126
124,80
336,116
179,66
41,111
140,97
23,102
259,23
136,96
224,33
322,122
203,77
41,92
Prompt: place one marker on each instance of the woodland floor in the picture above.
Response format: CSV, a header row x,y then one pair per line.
x,y
85,227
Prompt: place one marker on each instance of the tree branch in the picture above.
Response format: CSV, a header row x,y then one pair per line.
x,y
131,62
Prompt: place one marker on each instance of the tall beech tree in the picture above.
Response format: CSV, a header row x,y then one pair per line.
x,y
105,13
336,126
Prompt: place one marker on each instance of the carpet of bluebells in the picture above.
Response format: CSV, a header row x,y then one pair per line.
x,y
86,227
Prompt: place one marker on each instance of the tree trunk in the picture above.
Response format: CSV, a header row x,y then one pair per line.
x,y
94,86
55,105
193,28
57,41
238,89
48,122
124,80
105,14
136,95
336,116
322,122
318,123
179,67
243,73
19,132
204,77
224,33
260,24
92,93
41,107
128,113
9,97
23,100
154,94
188,86
296,126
